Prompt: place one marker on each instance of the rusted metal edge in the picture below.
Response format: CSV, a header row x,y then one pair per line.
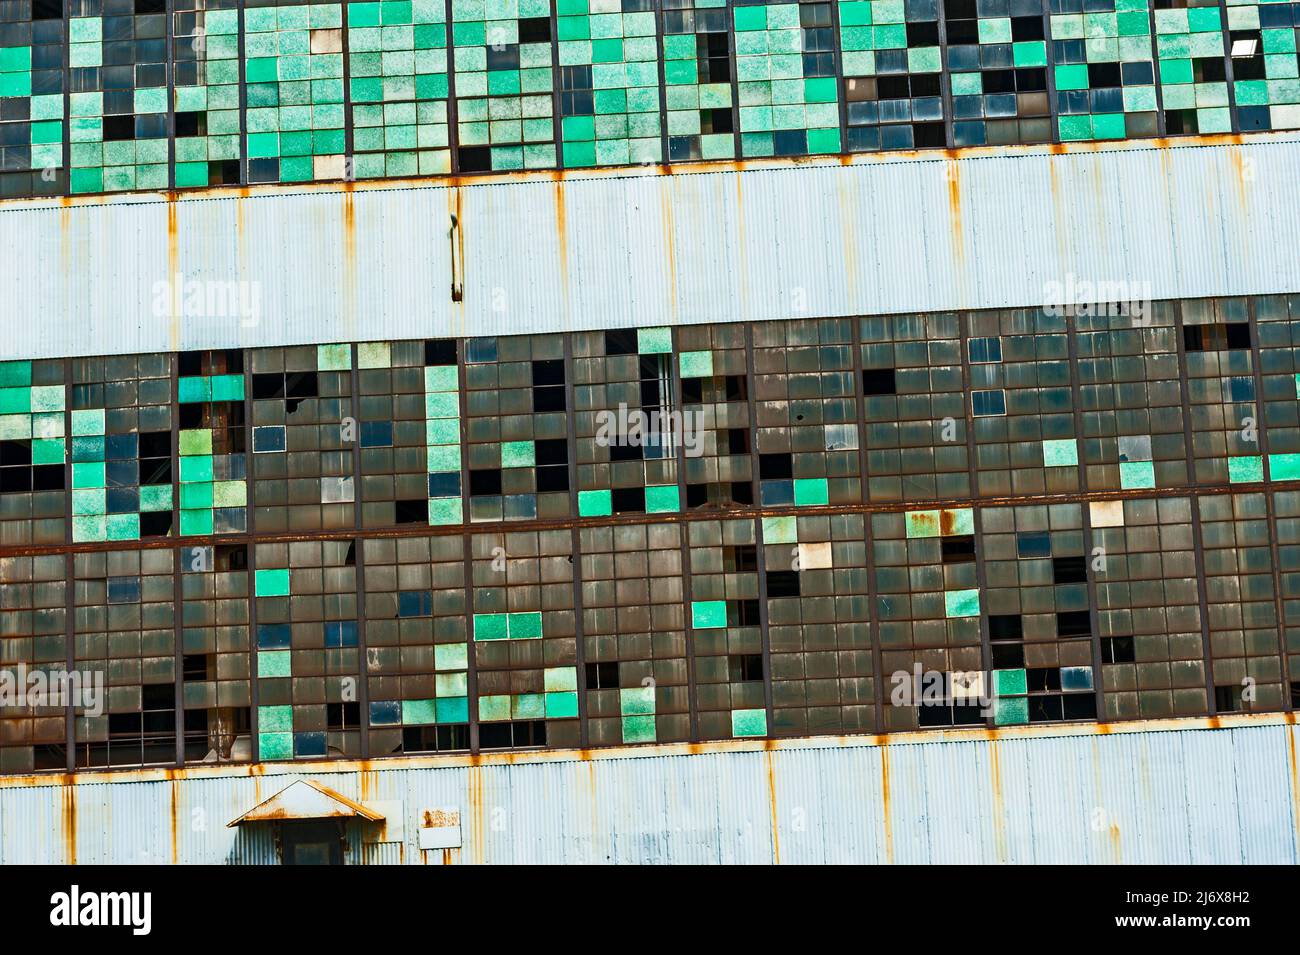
x,y
648,170
651,750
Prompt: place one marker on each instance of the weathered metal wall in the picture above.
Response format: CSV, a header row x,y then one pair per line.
x,y
549,252
1171,793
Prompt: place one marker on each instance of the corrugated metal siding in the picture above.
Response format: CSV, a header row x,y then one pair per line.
x,y
879,235
1172,796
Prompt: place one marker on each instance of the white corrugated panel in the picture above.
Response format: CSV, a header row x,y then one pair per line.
x,y
1171,796
580,251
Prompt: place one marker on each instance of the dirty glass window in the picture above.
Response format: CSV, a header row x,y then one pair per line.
x,y
716,437
916,430
807,413
417,666
216,645
130,642
726,619
628,422
303,475
307,650
523,628
635,656
33,632
823,676
517,453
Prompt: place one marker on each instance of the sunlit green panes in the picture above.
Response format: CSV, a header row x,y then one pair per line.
x,y
1266,82
1193,79
31,101
397,61
892,74
609,82
785,79
504,107
699,109
1105,79
205,98
118,133
293,69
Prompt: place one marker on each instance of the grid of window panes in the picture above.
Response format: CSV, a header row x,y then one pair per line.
x,y
1262,49
818,608
1130,387
391,434
293,76
699,109
1241,609
33,635
216,652
914,406
307,660
1103,69
625,409
785,78
1148,609
33,449
636,669
205,100
656,603
117,107
928,611
997,61
726,621
417,664
805,396
1022,405
121,448
31,98
303,445
124,633
523,628
517,428
1193,71
1039,621
716,437
398,76
212,478
609,82
1223,412
503,59
893,74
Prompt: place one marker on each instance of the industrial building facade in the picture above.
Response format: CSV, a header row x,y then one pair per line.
x,y
559,419
782,529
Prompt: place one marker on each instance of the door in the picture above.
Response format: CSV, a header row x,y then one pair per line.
x,y
316,842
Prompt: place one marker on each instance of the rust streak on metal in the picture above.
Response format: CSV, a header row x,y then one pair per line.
x,y
349,304
173,269
884,802
1295,780
666,219
476,810
70,825
771,800
562,241
174,798
999,809
953,175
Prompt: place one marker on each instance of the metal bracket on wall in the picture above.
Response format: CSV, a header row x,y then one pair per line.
x,y
457,279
